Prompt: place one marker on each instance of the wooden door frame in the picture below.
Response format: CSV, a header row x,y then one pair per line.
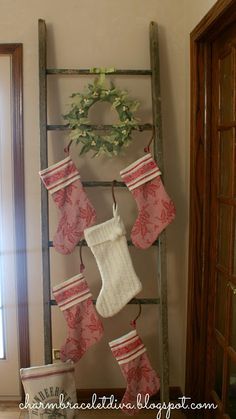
x,y
222,14
15,51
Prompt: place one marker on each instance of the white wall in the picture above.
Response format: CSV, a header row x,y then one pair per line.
x,y
85,33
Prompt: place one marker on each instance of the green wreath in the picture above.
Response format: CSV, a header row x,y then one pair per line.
x,y
119,135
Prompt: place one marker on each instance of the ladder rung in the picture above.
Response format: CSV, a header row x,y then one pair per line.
x,y
92,183
141,127
86,71
84,243
134,301
104,183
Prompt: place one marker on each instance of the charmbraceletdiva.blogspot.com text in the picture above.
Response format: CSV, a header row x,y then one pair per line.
x,y
160,410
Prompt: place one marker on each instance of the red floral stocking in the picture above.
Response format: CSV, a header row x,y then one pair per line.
x,y
63,181
84,326
156,210
131,355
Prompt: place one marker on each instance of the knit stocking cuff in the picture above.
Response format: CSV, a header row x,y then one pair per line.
x,y
108,231
140,172
59,175
127,347
71,292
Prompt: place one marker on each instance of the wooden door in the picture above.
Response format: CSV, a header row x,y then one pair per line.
x,y
211,329
221,328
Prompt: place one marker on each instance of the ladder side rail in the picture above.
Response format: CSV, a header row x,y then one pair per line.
x,y
44,194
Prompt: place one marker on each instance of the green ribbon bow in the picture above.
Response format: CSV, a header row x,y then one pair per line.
x,y
102,71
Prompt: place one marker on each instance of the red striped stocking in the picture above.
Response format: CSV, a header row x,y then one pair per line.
x,y
131,355
63,181
156,210
84,326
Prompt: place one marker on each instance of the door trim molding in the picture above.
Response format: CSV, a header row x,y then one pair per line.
x,y
222,14
15,51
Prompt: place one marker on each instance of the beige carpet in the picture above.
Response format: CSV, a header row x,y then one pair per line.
x,y
14,413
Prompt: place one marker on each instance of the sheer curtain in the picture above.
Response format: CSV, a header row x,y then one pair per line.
x,y
8,313
2,352
12,226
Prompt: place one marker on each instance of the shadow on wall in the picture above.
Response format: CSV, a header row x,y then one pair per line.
x,y
176,186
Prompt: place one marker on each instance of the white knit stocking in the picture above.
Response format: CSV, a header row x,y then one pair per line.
x,y
119,280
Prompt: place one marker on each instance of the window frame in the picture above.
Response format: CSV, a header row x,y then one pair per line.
x,y
15,51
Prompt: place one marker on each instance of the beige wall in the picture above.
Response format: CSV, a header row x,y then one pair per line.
x,y
85,33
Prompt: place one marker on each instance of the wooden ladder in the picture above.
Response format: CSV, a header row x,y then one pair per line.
x,y
160,244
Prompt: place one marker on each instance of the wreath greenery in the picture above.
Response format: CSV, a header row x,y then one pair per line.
x,y
119,135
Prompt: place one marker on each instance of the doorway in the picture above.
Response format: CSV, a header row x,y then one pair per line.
x,y
211,340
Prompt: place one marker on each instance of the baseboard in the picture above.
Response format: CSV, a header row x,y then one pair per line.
x,y
11,402
85,395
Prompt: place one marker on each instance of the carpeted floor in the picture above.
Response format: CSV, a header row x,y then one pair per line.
x,y
13,412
